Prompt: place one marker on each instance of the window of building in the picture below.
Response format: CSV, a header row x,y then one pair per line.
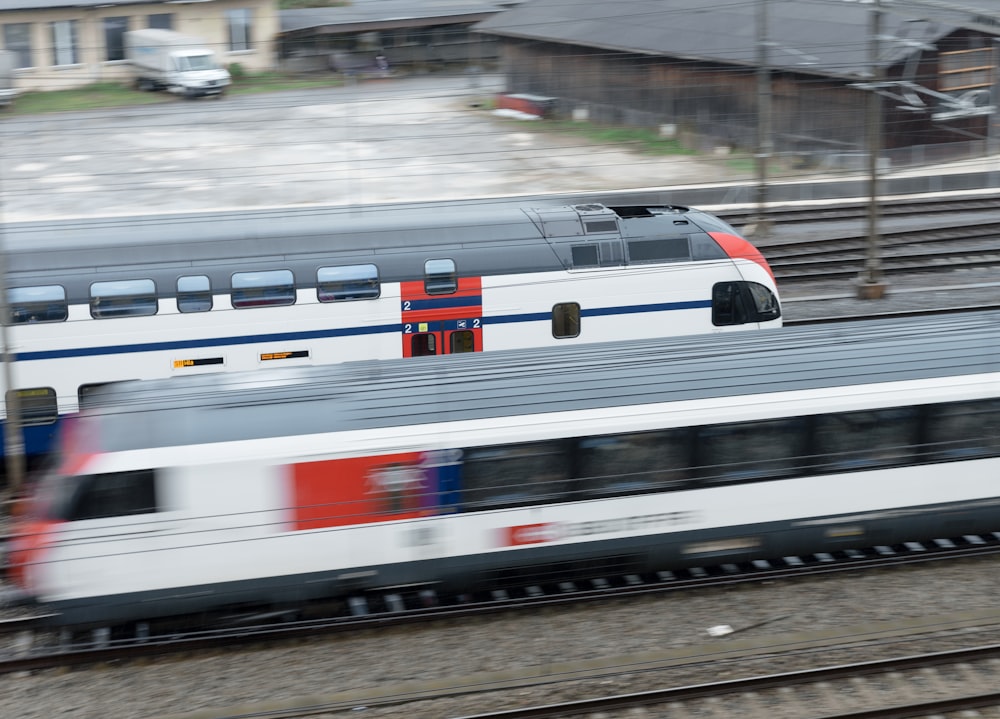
x,y
566,320
17,39
45,303
239,22
114,37
440,277
352,282
65,50
122,298
37,405
194,294
160,21
116,494
269,288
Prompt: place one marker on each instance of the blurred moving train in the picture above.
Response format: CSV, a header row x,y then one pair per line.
x,y
270,489
96,301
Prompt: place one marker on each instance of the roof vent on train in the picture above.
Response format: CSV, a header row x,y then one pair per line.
x,y
577,220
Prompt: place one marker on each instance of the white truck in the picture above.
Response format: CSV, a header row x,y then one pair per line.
x,y
168,60
7,91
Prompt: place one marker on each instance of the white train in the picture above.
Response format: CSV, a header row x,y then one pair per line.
x,y
270,489
96,301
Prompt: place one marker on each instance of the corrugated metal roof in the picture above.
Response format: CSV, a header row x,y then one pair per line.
x,y
828,37
381,12
62,4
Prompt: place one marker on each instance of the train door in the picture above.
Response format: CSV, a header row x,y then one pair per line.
x,y
436,322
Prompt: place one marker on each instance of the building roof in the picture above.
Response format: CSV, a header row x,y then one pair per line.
x,y
827,37
81,4
386,14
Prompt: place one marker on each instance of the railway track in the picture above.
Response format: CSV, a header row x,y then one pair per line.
x,y
30,646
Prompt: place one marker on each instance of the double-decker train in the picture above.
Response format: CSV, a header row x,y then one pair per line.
x,y
96,301
267,490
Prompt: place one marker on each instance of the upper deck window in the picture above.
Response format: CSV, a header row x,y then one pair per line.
x,y
194,294
351,282
270,288
440,277
122,298
45,303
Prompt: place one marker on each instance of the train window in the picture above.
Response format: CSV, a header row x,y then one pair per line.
x,y
352,282
37,406
122,298
510,475
751,450
704,247
764,301
194,294
462,341
631,463
268,288
423,344
963,429
440,277
664,249
585,256
116,494
45,303
566,320
871,438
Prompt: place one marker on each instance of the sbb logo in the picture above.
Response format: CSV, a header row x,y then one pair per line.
x,y
531,534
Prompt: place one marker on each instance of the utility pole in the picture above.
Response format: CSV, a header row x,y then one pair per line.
x,y
765,144
871,285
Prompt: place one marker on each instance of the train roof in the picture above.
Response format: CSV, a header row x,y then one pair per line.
x,y
425,390
283,232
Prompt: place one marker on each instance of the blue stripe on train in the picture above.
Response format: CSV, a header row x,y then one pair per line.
x,y
344,332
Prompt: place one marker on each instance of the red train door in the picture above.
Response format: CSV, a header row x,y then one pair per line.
x,y
442,324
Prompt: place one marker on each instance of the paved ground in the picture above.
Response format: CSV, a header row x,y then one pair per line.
x,y
397,139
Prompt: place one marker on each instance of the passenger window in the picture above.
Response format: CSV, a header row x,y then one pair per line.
x,y
462,341
117,494
45,303
37,406
271,288
194,294
961,430
352,282
630,463
122,298
751,450
871,438
515,474
667,249
85,391
440,277
422,345
566,320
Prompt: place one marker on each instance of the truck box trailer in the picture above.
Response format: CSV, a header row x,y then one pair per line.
x,y
168,60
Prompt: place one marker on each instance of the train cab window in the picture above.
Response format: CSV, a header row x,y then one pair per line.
x,y
122,298
737,303
745,451
45,303
194,293
116,494
664,249
37,406
352,282
566,320
440,277
962,430
423,344
462,341
507,476
871,438
268,288
633,463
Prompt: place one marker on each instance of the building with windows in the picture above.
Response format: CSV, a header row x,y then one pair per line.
x,y
61,44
